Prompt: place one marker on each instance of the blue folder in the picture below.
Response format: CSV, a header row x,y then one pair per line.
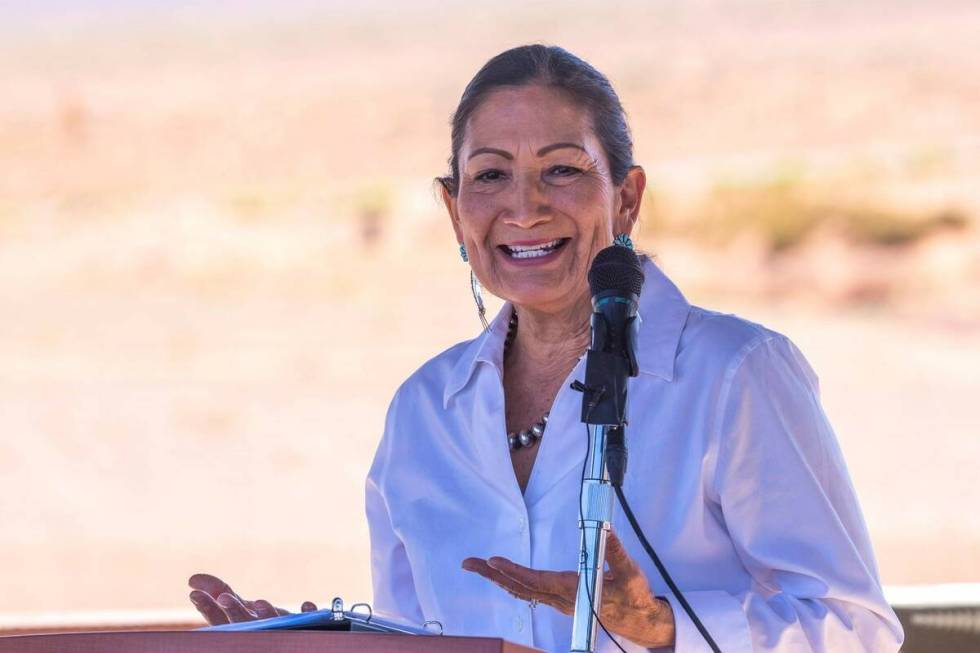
x,y
326,620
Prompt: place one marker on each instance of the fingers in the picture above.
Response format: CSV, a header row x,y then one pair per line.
x,y
213,585
209,609
207,594
561,583
621,564
265,610
559,603
472,564
234,608
517,589
481,567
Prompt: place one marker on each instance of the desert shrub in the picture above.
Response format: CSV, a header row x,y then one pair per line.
x,y
877,226
784,211
777,209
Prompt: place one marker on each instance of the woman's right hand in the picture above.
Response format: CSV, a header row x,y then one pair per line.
x,y
219,604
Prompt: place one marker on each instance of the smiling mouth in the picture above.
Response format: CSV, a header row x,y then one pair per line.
x,y
534,251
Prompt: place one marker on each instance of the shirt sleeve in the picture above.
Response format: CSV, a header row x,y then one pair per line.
x,y
391,574
794,519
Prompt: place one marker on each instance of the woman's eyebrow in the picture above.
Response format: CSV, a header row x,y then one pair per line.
x,y
557,146
490,150
510,157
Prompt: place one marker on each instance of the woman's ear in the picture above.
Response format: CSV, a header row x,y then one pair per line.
x,y
628,200
450,201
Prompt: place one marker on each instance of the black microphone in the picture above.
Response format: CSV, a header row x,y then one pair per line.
x,y
615,279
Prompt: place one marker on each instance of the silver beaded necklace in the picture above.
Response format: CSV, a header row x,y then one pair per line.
x,y
528,437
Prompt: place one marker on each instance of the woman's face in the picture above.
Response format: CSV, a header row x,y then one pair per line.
x,y
536,200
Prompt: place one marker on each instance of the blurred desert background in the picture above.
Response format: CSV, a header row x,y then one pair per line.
x,y
221,251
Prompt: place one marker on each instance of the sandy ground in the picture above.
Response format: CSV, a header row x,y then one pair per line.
x,y
201,323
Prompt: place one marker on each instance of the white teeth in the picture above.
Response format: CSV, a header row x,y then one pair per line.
x,y
531,254
533,251
522,248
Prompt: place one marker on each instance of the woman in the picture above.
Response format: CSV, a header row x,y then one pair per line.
x,y
735,474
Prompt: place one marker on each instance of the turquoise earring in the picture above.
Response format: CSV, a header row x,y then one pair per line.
x,y
462,253
623,240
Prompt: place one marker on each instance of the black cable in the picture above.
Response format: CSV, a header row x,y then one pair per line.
x,y
663,570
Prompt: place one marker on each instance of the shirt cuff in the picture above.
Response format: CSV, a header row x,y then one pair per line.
x,y
721,615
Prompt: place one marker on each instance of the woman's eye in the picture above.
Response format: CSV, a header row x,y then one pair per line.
x,y
564,171
489,175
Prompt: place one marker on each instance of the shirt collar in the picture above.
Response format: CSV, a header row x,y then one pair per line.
x,y
488,347
663,310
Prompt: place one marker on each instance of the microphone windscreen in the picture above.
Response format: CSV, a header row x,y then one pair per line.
x,y
616,268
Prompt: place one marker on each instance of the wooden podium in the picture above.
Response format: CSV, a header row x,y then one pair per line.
x,y
283,641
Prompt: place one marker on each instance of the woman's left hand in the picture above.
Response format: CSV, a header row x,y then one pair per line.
x,y
629,608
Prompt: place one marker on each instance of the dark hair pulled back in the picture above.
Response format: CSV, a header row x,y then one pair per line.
x,y
558,68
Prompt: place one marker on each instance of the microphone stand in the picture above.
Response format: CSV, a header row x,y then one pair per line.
x,y
615,279
596,516
603,412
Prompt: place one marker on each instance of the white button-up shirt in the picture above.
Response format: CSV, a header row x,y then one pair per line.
x,y
734,473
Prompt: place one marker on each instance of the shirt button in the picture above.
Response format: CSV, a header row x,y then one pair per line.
x,y
522,523
519,624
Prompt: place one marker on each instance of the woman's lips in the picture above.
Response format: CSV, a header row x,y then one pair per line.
x,y
533,252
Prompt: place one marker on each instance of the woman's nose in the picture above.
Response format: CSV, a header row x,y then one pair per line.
x,y
528,206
